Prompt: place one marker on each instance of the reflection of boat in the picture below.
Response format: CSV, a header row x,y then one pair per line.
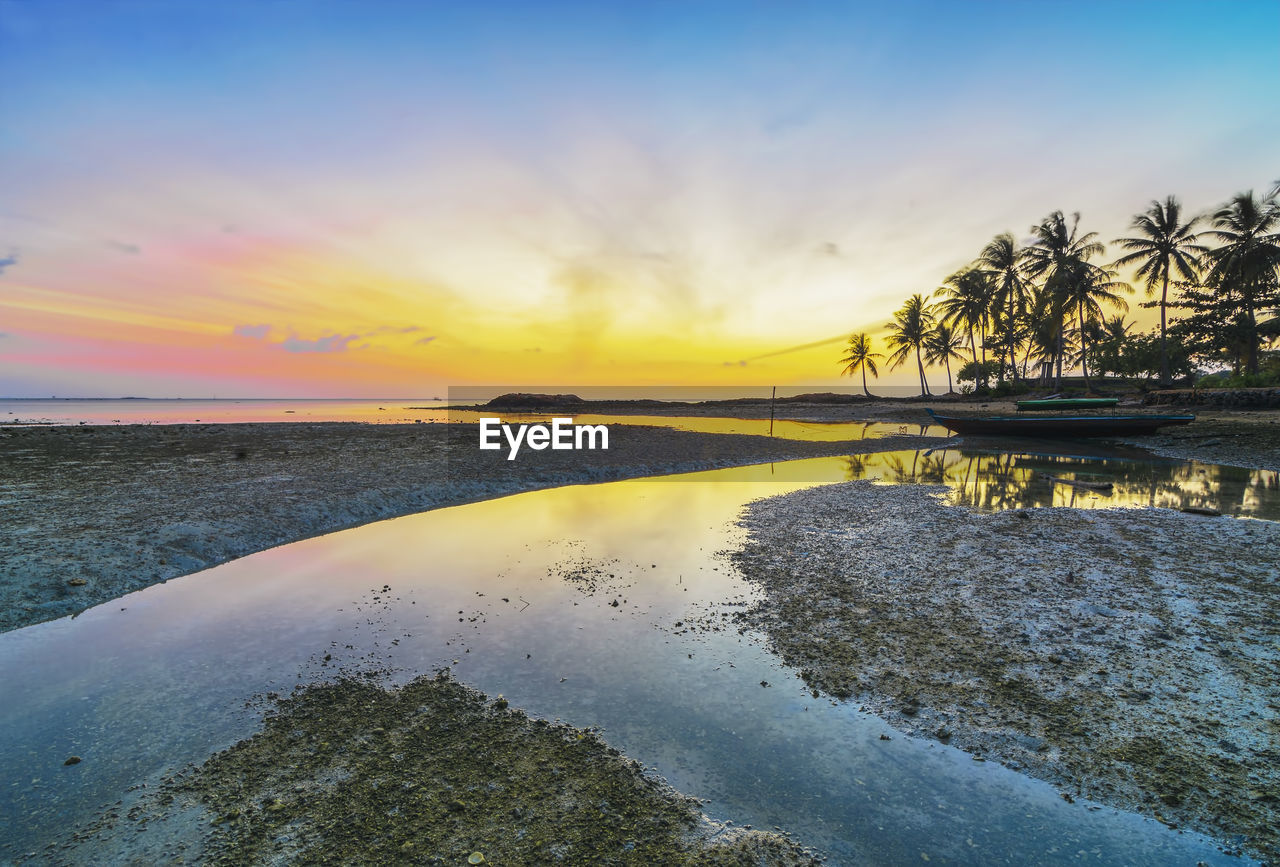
x,y
1068,403
1065,426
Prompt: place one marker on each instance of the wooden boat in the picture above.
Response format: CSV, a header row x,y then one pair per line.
x,y
1061,426
1068,403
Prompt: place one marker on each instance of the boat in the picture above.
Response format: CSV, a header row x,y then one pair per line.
x,y
1049,403
1061,426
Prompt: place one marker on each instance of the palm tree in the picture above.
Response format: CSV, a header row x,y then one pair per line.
x,y
1060,255
1167,244
860,356
941,345
1247,265
907,331
967,303
1087,291
1006,262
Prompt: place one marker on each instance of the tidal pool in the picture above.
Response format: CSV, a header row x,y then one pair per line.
x,y
585,603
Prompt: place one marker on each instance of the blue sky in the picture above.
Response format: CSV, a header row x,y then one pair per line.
x,y
622,190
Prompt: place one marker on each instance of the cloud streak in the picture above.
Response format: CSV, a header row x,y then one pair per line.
x,y
329,343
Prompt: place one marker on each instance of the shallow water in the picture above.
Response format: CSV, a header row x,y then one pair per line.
x,y
515,595
75,412
214,411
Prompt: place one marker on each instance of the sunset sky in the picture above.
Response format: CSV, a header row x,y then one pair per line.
x,y
303,199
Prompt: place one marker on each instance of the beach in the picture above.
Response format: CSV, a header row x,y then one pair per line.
x,y
94,512
1126,656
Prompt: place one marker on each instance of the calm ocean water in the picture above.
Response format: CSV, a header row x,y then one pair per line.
x,y
190,411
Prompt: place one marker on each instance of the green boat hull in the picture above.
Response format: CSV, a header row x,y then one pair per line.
x,y
1068,403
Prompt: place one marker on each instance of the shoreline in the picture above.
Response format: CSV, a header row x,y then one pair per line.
x,y
95,512
429,772
1126,656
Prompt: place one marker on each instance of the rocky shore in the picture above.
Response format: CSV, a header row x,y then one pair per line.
x,y
92,513
1128,656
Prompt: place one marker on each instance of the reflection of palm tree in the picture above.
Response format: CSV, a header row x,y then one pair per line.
x,y
898,470
940,346
860,356
1167,245
855,467
907,332
934,470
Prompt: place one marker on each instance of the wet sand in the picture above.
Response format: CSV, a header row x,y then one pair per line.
x,y
1128,656
92,513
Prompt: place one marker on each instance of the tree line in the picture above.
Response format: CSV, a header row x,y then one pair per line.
x,y
1043,305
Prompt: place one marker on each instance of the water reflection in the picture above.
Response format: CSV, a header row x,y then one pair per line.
x,y
994,480
156,411
159,678
788,429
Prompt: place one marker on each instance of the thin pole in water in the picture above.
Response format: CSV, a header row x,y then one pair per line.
x,y
772,398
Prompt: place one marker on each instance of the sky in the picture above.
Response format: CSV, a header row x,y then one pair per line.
x,y
362,199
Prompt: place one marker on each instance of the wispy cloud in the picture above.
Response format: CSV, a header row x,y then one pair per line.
x,y
329,343
123,247
256,332
7,261
423,341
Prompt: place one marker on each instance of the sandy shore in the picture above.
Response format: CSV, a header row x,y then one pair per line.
x,y
92,513
1129,656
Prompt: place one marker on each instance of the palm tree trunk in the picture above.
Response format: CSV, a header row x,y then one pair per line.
x,y
1166,377
1251,351
864,380
1062,327
1084,361
1013,362
949,389
924,385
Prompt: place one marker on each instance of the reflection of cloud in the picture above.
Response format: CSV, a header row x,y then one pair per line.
x,y
423,341
328,343
131,249
11,259
256,332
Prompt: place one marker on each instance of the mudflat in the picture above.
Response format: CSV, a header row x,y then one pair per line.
x,y
90,513
1127,655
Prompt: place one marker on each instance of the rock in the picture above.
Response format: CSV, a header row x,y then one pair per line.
x,y
73,760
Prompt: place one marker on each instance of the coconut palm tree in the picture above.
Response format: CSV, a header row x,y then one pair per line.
x,y
966,302
941,345
1006,262
907,332
1060,255
860,357
1167,244
1086,291
1246,267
